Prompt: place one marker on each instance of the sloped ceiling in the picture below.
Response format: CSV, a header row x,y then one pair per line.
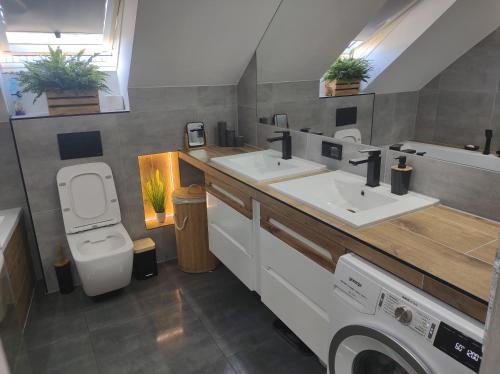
x,y
458,29
305,37
193,42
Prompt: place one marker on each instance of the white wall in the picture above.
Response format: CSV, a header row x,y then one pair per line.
x,y
192,42
306,37
463,25
126,44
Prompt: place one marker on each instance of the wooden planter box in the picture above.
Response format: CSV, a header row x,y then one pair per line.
x,y
341,88
73,102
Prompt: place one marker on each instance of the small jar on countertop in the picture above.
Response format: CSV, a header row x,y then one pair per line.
x,y
400,177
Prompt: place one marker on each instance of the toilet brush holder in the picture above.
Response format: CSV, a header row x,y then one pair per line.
x,y
64,276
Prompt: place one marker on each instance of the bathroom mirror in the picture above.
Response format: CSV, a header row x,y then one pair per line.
x,y
280,120
291,59
437,121
195,135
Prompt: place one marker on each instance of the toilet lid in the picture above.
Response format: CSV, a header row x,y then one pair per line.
x,y
348,135
88,197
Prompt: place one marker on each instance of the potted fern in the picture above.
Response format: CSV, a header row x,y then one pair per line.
x,y
345,75
156,193
71,83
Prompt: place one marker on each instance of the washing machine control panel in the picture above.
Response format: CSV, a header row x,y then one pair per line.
x,y
408,314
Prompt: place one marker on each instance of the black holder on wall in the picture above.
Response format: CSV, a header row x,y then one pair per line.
x,y
64,276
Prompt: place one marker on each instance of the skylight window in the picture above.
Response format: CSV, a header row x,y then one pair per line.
x,y
28,27
372,33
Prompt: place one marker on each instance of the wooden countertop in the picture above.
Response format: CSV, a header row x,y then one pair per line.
x,y
451,246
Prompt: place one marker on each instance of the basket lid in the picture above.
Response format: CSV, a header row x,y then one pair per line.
x,y
192,194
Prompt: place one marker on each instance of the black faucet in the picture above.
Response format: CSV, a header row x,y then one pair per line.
x,y
374,161
487,146
286,144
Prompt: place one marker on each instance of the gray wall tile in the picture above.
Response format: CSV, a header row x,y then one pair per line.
x,y
459,104
155,124
12,193
394,118
462,187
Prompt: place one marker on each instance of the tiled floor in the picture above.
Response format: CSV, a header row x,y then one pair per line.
x,y
174,323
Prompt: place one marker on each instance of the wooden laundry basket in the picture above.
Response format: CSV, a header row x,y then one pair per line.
x,y
191,230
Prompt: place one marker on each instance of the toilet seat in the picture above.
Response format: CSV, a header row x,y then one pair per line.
x,y
348,135
88,197
100,243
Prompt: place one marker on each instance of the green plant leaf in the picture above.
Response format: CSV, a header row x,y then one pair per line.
x,y
59,72
349,69
156,191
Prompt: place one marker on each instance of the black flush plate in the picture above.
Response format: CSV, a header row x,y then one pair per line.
x,y
79,144
346,116
331,150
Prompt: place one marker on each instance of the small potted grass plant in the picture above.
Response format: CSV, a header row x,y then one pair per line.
x,y
345,75
156,193
71,83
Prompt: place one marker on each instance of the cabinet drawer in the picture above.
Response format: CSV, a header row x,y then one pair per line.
x,y
308,321
307,237
230,239
230,194
305,275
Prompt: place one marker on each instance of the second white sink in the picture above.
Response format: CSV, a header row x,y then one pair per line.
x,y
265,166
346,197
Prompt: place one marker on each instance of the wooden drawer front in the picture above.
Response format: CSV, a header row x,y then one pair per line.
x,y
16,261
230,194
230,239
309,322
315,245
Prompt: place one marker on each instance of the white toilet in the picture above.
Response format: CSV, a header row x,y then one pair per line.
x,y
349,135
100,245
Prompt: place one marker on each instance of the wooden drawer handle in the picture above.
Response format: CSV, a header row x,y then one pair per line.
x,y
308,251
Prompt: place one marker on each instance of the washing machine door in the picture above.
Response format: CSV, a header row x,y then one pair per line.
x,y
363,350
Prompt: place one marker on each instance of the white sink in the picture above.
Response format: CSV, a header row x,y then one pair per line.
x,y
346,197
265,166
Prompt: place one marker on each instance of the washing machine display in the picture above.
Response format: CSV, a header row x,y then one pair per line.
x,y
458,346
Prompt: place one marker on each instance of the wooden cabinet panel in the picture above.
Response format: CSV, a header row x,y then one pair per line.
x,y
19,271
230,194
311,239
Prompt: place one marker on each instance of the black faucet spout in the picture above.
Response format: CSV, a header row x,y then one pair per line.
x,y
358,161
286,145
487,147
374,162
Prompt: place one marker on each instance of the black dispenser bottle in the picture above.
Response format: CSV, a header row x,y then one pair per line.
x,y
400,177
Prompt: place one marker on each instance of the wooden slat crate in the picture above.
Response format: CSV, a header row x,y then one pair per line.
x,y
73,102
341,88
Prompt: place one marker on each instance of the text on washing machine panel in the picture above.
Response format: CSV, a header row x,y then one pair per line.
x,y
465,350
406,311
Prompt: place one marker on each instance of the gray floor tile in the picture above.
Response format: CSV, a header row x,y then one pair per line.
x,y
128,305
53,328
275,357
72,355
170,341
174,323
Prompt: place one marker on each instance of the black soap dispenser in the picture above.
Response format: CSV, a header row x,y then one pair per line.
x,y
400,177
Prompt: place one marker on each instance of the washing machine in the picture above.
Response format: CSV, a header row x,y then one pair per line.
x,y
381,324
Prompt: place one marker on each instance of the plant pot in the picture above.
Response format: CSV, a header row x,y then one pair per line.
x,y
328,88
73,102
160,217
341,88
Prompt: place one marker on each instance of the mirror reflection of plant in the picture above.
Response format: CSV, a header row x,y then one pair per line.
x,y
156,192
60,72
349,69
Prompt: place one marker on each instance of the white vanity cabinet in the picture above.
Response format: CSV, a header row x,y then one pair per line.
x,y
230,229
297,279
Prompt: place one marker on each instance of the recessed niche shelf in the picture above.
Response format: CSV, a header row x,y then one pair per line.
x,y
168,165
